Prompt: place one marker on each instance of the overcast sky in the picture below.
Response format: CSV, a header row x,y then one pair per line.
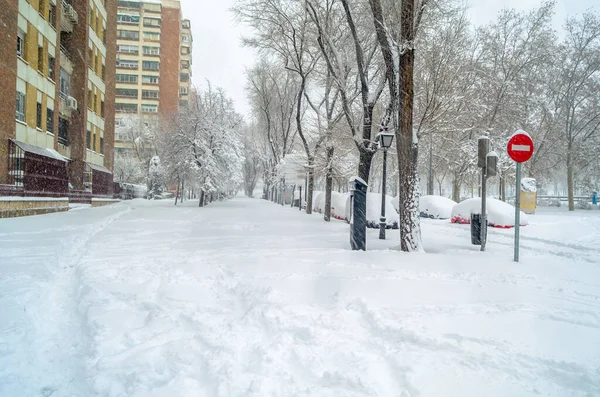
x,y
220,57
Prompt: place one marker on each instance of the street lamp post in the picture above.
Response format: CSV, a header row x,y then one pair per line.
x,y
385,140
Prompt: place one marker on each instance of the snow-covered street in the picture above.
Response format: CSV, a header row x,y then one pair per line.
x,y
247,298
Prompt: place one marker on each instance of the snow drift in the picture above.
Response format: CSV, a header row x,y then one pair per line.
x,y
500,214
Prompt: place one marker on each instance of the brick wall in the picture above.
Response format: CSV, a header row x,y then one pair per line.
x,y
9,11
77,45
170,48
109,101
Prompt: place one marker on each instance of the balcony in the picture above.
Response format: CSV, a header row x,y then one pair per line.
x,y
69,18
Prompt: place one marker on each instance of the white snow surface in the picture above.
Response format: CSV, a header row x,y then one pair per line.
x,y
528,185
247,298
499,213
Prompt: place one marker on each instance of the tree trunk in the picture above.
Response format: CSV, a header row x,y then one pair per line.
x,y
502,184
570,182
407,143
201,200
177,192
456,190
311,185
328,185
364,166
182,189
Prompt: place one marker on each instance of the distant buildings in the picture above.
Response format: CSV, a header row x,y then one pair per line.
x,y
153,67
56,100
74,71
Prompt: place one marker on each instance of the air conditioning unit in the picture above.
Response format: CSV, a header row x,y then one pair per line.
x,y
71,13
72,103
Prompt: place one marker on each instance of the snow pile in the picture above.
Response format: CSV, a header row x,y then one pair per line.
x,y
374,211
500,214
528,185
338,204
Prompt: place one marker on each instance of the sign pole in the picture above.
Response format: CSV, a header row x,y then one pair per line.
x,y
517,211
483,218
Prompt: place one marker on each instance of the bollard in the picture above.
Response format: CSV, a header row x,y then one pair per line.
x,y
358,214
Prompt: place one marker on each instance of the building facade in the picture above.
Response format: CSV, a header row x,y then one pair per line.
x,y
58,82
149,35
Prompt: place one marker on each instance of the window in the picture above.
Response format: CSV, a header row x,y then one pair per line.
x,y
146,108
150,79
185,38
183,91
185,50
20,44
185,64
90,99
151,50
88,139
152,22
63,131
101,145
129,4
126,107
65,82
126,93
128,35
185,24
94,142
102,109
152,7
127,78
150,65
149,94
41,59
151,36
38,116
51,74
183,103
128,49
52,15
91,57
127,64
50,121
88,178
127,18
185,77
21,104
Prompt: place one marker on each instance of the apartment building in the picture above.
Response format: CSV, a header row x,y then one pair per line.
x,y
58,83
185,74
148,67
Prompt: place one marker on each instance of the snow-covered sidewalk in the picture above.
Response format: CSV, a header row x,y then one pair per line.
x,y
247,298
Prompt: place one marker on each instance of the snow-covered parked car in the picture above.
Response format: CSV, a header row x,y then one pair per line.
x,y
374,211
433,207
338,204
436,207
499,213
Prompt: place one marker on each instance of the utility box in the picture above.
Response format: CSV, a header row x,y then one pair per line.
x,y
483,148
491,168
358,214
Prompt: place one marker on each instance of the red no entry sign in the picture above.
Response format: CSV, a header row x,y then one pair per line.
x,y
520,147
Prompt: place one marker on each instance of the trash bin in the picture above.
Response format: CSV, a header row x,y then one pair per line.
x,y
476,229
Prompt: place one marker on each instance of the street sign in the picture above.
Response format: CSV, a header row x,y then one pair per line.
x,y
520,147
